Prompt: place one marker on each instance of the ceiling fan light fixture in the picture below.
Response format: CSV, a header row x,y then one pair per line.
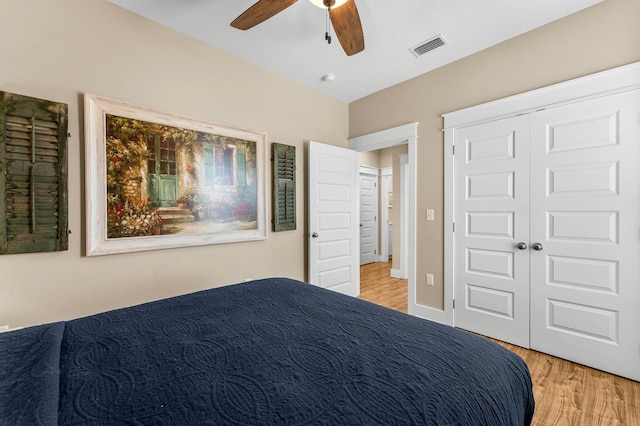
x,y
320,3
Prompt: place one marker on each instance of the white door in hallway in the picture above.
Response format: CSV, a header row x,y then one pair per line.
x,y
585,199
333,218
368,218
491,218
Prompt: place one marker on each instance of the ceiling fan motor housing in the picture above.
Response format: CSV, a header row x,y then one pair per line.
x,y
329,3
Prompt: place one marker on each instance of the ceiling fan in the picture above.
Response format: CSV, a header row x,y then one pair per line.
x,y
344,18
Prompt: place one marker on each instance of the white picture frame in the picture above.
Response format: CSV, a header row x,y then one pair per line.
x,y
223,164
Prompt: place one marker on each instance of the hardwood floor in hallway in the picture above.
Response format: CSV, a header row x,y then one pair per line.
x,y
377,286
566,393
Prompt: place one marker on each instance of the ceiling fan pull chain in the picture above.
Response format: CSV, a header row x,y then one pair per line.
x,y
327,36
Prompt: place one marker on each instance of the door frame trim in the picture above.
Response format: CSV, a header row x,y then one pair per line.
x,y
384,213
400,135
404,218
604,83
615,80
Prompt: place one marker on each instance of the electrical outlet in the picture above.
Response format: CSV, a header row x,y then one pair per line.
x,y
430,215
429,279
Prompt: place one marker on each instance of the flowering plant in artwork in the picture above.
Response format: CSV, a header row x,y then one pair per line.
x,y
194,201
131,219
124,161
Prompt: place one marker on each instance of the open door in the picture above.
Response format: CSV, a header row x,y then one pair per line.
x,y
333,218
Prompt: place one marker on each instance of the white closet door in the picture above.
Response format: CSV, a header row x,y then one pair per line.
x,y
585,213
491,217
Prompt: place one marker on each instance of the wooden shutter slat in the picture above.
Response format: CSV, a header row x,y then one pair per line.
x,y
40,192
18,156
22,210
24,139
19,168
20,129
25,120
21,224
32,246
40,143
26,135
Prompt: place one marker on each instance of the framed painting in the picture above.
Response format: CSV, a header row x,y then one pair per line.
x,y
157,180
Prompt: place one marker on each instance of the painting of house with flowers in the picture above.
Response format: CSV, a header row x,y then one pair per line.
x,y
164,180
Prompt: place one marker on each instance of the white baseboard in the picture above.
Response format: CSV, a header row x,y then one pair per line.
x,y
426,312
396,273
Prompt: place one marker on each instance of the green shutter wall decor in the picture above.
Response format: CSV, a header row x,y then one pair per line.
x,y
284,187
33,175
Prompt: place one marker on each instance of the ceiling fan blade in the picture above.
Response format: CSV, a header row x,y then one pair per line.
x,y
348,28
260,12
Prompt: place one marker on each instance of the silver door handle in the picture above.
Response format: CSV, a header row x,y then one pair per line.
x,y
521,246
314,235
536,246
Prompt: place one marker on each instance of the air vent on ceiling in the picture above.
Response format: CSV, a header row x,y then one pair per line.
x,y
428,46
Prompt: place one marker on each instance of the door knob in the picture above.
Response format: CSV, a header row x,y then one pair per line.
x,y
521,246
314,235
536,246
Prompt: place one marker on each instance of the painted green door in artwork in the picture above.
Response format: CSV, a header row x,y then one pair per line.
x,y
163,180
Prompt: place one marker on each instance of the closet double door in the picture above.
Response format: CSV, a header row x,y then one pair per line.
x,y
547,231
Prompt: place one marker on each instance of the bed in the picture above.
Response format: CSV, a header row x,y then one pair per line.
x,y
267,352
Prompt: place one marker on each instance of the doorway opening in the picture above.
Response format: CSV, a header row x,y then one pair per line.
x,y
402,135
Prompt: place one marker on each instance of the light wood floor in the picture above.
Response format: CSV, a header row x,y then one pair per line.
x,y
566,393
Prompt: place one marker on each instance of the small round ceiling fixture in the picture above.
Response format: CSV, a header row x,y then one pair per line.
x,y
328,78
321,3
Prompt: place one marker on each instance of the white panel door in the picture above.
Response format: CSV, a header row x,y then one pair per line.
x,y
491,217
333,218
585,214
368,218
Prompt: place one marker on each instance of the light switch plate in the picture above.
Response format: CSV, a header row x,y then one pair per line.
x,y
429,279
430,214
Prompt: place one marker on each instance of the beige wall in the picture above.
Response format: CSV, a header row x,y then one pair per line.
x,y
60,49
369,158
386,157
601,37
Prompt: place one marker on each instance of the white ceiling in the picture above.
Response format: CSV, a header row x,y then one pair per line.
x,y
292,42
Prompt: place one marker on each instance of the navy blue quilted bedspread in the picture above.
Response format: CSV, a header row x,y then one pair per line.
x,y
268,352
